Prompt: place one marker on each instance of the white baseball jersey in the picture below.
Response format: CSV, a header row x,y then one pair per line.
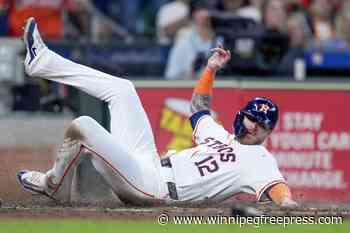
x,y
220,166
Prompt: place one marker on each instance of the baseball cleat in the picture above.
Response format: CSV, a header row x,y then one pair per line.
x,y
32,39
33,181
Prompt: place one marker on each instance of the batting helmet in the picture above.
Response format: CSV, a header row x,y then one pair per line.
x,y
259,109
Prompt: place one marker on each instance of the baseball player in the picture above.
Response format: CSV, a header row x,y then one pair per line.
x,y
218,167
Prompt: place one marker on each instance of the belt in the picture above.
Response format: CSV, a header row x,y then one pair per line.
x,y
166,163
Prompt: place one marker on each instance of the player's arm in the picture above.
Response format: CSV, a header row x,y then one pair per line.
x,y
281,195
203,91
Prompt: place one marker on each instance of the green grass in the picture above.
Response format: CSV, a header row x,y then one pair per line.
x,y
113,226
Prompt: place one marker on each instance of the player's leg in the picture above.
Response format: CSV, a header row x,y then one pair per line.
x,y
67,158
133,179
129,123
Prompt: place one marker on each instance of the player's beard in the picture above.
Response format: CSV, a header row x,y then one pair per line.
x,y
254,138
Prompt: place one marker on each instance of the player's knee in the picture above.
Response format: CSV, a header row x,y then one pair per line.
x,y
126,87
77,126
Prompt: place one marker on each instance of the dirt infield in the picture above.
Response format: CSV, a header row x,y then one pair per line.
x,y
12,160
40,158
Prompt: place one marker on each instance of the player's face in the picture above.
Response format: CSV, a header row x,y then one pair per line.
x,y
257,133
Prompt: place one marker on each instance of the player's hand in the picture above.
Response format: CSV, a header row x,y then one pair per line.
x,y
219,58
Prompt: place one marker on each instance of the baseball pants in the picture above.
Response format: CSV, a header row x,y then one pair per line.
x,y
127,157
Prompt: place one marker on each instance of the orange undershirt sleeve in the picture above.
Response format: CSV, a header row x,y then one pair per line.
x,y
205,83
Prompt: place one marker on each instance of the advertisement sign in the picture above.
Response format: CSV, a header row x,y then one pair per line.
x,y
311,141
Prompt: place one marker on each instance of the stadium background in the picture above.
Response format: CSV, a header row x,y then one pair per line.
x,y
306,74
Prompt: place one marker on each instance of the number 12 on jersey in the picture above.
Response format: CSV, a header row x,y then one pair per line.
x,y
210,164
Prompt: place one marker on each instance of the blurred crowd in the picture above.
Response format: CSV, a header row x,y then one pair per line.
x,y
187,29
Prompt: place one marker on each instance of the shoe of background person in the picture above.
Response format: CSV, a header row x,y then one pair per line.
x,y
32,39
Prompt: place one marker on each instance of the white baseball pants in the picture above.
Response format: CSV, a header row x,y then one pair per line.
x,y
127,157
